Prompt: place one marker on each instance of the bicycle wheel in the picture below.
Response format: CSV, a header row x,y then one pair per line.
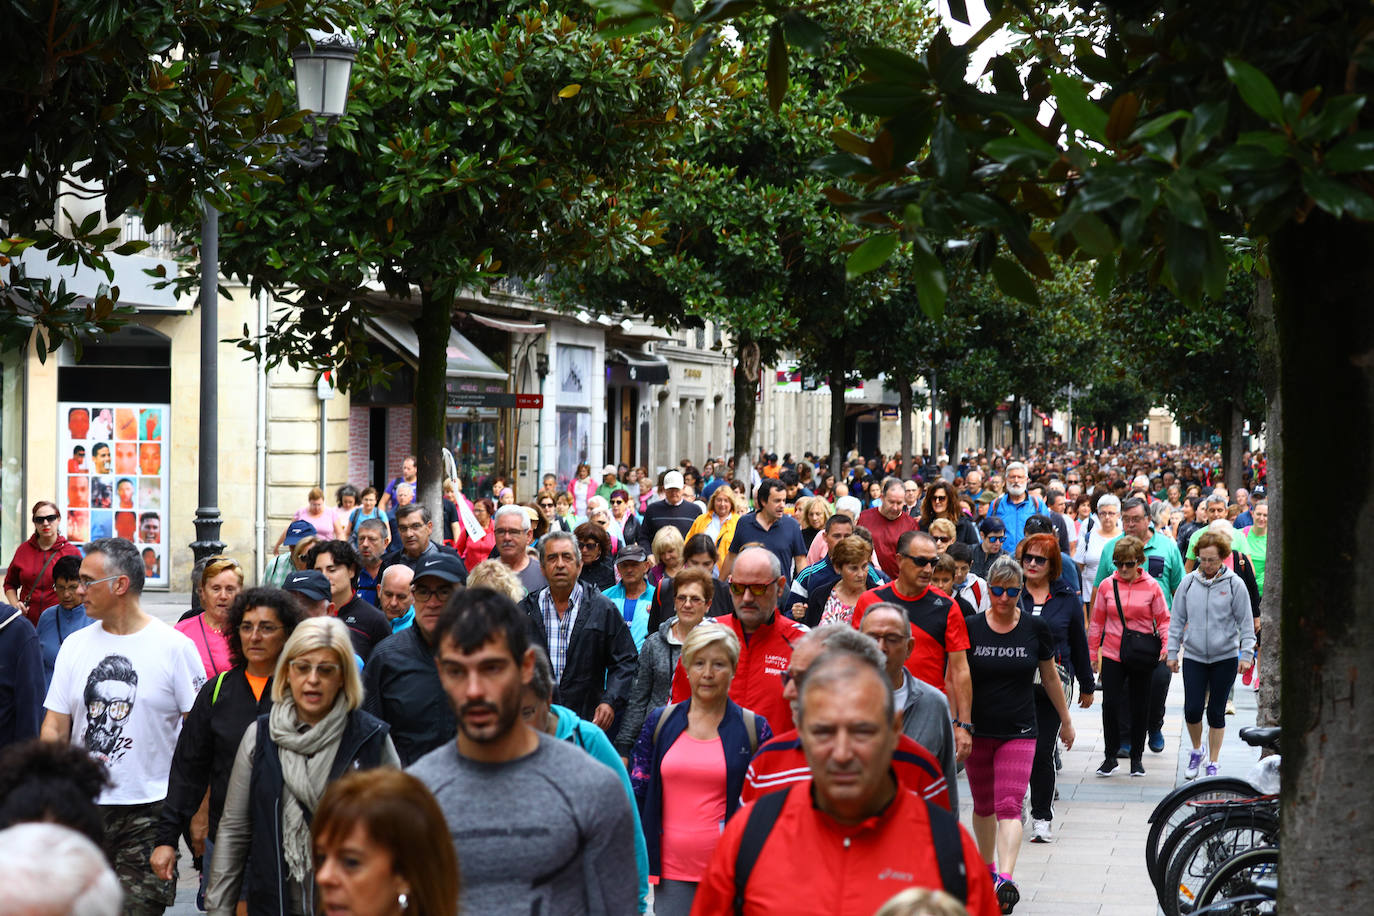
x,y
1243,875
1209,845
1173,810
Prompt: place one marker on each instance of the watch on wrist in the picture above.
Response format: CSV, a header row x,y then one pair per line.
x,y
966,726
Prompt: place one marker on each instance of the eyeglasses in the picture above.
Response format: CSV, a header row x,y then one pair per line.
x,y
412,529
943,539
920,562
509,532
550,505
424,593
892,639
1128,564
1031,559
614,502
87,581
689,600
998,538
758,591
303,668
262,629
788,676
45,519
939,498
117,709
588,545
999,590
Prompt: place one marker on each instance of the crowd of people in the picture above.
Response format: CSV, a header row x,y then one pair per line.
x,y
678,693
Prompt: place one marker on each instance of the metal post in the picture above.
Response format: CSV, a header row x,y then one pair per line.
x,y
208,520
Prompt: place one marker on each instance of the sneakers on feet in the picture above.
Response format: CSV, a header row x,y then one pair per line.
x,y
1108,767
1157,741
1211,769
1008,895
1137,768
1040,831
1194,761
1230,707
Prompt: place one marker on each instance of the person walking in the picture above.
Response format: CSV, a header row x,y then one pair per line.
x,y
28,580
1214,631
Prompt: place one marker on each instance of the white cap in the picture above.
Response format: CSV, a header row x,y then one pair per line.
x,y
672,480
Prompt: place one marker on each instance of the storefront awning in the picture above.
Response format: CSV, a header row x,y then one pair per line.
x,y
508,325
464,359
642,367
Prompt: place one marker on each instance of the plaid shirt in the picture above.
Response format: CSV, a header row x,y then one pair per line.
x,y
559,631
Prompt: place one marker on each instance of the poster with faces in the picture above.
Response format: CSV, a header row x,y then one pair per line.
x,y
112,477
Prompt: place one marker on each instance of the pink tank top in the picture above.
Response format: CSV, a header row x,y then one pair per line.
x,y
693,778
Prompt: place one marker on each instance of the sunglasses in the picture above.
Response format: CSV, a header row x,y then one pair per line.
x,y
996,537
758,591
1128,564
1031,559
999,590
920,562
45,519
942,539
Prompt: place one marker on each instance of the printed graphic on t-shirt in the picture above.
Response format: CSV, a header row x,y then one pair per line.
x,y
111,689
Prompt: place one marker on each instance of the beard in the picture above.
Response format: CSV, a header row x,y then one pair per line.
x,y
505,715
1015,490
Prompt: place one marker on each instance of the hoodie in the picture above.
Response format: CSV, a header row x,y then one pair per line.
x,y
1212,619
1142,604
586,735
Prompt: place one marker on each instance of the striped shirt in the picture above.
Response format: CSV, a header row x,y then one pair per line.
x,y
559,629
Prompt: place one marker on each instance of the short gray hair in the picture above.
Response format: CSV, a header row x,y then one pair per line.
x,y
842,637
121,558
51,866
1107,499
1015,465
890,482
557,536
1215,498
541,684
515,511
835,666
1005,569
375,524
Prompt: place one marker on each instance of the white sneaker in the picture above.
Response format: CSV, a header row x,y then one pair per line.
x,y
1194,761
1040,831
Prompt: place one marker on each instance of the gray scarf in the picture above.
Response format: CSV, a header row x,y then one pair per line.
x,y
306,759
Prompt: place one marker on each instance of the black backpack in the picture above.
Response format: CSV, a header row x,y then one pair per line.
x,y
944,835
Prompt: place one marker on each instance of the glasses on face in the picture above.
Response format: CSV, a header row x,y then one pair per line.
x,y
411,529
262,629
790,675
996,538
302,668
614,502
87,581
423,593
999,590
689,600
1031,559
943,539
920,562
939,498
509,532
891,639
758,591
588,545
1128,564
116,709
45,519
548,505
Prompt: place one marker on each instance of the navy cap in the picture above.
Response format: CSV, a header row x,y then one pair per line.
x,y
444,566
992,525
298,531
308,582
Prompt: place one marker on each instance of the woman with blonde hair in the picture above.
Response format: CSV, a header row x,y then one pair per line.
x,y
498,577
723,510
315,732
945,533
813,512
667,550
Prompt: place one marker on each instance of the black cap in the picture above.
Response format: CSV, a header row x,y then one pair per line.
x,y
308,582
441,565
993,525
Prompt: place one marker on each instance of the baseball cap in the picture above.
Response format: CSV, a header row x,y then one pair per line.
x,y
440,565
298,531
609,469
308,582
992,526
631,553
672,480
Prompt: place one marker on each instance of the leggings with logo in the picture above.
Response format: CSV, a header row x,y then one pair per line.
x,y
998,772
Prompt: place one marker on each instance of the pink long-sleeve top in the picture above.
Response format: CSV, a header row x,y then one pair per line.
x,y
1142,603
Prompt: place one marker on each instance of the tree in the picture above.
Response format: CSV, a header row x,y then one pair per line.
x,y
1216,120
482,139
125,101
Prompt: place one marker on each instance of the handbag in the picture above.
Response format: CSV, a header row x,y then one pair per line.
x,y
1138,650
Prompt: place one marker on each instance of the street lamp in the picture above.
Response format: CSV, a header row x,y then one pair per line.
x,y
322,73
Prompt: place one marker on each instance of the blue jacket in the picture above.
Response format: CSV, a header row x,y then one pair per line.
x,y
1063,612
1014,517
54,626
648,760
586,735
21,678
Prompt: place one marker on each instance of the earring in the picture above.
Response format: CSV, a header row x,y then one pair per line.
x,y
403,901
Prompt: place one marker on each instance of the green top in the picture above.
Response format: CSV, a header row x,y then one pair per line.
x,y
1237,542
1160,545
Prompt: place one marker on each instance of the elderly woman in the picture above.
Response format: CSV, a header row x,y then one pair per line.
x,y
659,654
689,764
1127,599
942,501
1212,625
834,603
1050,598
1007,647
28,581
314,733
718,521
1104,526
595,546
943,531
667,551
259,623
220,584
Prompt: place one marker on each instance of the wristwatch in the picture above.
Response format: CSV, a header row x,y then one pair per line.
x,y
966,726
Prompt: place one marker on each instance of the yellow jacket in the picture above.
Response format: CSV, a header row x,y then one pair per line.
x,y
727,532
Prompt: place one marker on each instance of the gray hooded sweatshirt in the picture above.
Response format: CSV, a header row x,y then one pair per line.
x,y
1212,619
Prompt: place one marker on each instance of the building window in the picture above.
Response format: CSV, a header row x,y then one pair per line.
x,y
13,517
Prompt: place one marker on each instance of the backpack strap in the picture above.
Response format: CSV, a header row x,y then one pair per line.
x,y
757,828
219,682
658,727
949,851
751,726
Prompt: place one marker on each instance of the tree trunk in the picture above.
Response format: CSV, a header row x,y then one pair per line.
x,y
904,407
432,330
954,412
1322,275
987,429
1233,446
1270,687
837,414
746,404
1016,425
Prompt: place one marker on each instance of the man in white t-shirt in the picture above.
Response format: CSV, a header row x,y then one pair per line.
x,y
120,689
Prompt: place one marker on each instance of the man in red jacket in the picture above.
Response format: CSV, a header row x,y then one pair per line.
x,y
766,638
857,837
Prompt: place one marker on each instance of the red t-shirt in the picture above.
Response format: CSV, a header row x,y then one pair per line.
x,y
937,623
885,534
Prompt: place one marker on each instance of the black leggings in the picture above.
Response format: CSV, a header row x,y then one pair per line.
x,y
1201,677
1117,680
1042,767
1159,698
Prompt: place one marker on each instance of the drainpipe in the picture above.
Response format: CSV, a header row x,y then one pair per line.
x,y
260,445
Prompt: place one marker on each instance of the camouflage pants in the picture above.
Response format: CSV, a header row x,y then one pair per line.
x,y
130,836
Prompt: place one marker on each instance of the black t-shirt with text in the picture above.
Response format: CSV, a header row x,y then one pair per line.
x,y
1002,667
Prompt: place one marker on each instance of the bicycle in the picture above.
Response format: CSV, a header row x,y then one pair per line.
x,y
1247,883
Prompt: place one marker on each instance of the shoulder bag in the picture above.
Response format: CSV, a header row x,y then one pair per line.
x,y
1138,650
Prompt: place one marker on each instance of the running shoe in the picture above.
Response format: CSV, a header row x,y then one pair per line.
x,y
1007,893
1108,767
1194,761
1040,831
1156,741
1137,768
1230,707
1211,769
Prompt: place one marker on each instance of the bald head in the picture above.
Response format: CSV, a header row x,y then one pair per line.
x,y
394,590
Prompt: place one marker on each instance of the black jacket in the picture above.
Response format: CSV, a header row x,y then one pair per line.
x,y
600,574
401,687
367,626
601,653
1063,613
204,755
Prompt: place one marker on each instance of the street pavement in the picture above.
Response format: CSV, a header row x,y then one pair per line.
x,y
1096,862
